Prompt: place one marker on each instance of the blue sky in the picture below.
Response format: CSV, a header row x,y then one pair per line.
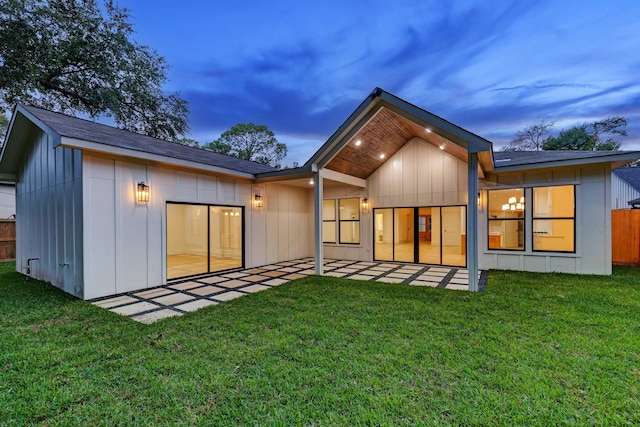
x,y
301,68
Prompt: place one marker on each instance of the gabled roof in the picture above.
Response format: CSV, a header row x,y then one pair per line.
x,y
384,123
77,131
506,161
629,175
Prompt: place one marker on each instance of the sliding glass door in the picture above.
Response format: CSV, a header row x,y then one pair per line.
x,y
425,235
203,239
225,241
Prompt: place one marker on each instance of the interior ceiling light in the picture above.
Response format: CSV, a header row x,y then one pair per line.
x,y
311,182
382,156
358,142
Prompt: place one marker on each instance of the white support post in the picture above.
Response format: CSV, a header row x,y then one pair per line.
x,y
472,222
317,224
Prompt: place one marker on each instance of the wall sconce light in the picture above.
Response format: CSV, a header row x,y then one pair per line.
x,y
257,201
365,204
142,194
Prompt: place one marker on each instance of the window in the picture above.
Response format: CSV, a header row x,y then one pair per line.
x,y
506,219
203,238
328,221
349,221
342,227
554,217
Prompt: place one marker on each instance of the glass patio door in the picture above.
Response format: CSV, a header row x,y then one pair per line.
x,y
203,239
225,227
425,235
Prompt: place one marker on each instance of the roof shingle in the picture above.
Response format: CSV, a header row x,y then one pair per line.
x,y
629,175
82,129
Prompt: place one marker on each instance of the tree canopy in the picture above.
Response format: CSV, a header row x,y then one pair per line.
x,y
250,142
4,124
77,56
597,135
532,137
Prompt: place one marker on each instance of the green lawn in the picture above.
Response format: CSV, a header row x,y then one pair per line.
x,y
535,349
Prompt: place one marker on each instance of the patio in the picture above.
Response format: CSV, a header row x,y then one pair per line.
x,y
186,295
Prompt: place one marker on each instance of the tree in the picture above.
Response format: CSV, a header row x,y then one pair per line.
x,y
188,142
590,136
575,138
250,142
531,137
4,124
76,56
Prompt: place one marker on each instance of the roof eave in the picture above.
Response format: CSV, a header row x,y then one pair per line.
x,y
305,171
10,155
468,140
379,99
149,157
616,161
365,111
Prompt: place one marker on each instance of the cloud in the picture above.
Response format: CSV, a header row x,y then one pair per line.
x,y
491,67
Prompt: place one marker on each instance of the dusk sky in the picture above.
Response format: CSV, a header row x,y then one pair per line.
x,y
491,67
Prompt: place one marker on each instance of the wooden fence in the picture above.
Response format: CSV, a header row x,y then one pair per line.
x,y
7,239
625,236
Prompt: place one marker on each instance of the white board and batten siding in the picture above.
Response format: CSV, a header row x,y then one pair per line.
x,y
125,240
622,193
592,222
49,214
418,175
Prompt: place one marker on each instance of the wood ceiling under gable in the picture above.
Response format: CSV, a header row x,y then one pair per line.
x,y
385,133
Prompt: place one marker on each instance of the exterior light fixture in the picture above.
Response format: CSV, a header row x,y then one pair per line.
x,y
365,204
382,156
442,146
310,182
427,130
257,201
358,142
142,193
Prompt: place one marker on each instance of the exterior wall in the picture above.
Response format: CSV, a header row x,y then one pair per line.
x,y
126,240
621,193
419,174
49,214
7,200
593,222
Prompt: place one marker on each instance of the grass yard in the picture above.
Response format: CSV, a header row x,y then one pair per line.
x,y
535,349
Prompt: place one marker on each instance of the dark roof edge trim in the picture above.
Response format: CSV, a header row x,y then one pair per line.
x,y
285,174
615,158
46,128
19,108
452,131
328,146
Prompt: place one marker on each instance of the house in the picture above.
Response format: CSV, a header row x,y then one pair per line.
x,y
625,188
102,211
7,199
